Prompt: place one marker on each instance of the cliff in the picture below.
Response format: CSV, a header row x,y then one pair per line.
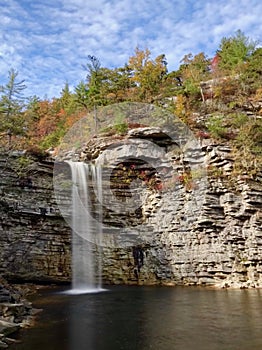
x,y
163,222
188,227
34,239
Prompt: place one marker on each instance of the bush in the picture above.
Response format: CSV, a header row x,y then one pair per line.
x,y
216,126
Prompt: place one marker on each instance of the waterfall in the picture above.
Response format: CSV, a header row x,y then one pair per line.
x,y
86,224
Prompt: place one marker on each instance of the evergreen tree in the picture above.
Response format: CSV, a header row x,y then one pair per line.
x,y
81,95
94,79
253,71
12,103
234,51
68,100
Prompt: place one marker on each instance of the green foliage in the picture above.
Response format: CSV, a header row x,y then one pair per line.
x,y
81,95
68,101
12,103
238,120
54,138
148,75
121,128
248,148
227,126
22,164
193,70
120,124
254,63
250,136
245,136
216,126
233,85
116,84
32,108
252,74
234,51
94,81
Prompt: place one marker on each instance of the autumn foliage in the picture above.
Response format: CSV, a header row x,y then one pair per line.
x,y
232,77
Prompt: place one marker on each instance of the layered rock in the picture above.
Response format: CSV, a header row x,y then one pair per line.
x,y
170,217
34,238
214,241
15,313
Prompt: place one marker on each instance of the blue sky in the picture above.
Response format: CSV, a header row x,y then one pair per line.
x,y
48,41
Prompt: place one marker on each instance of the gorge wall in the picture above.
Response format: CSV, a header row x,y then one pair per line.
x,y
188,232
34,239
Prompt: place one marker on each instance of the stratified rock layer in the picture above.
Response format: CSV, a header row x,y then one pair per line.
x,y
190,228
34,239
15,313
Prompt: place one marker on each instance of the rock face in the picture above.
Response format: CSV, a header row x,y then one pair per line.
x,y
34,239
169,218
15,312
190,228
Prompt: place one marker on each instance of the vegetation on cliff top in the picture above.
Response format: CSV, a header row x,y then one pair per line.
x,y
219,97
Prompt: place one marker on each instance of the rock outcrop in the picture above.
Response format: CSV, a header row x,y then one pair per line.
x,y
34,238
169,218
15,313
189,229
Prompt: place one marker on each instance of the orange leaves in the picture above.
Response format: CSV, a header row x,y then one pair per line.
x,y
147,74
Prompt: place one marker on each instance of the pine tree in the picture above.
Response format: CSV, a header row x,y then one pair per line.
x,y
234,51
12,103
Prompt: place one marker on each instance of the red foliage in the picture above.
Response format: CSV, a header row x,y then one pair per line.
x,y
203,134
214,63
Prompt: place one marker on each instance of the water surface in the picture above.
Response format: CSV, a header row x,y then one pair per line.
x,y
143,318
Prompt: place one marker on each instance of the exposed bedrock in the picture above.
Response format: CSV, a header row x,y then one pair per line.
x,y
170,217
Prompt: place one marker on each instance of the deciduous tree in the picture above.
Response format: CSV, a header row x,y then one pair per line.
x,y
147,74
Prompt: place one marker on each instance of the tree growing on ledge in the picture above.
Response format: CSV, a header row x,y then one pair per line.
x,y
148,75
234,52
11,106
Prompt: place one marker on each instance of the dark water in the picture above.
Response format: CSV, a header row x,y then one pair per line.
x,y
143,318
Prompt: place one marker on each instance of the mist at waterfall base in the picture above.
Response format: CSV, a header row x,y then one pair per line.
x,y
86,229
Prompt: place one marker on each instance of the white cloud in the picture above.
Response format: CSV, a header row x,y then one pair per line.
x,y
49,40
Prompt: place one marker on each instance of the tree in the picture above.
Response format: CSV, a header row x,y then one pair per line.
x,y
48,125
234,51
194,70
253,71
32,107
115,85
12,103
68,100
31,116
94,79
65,94
147,74
236,65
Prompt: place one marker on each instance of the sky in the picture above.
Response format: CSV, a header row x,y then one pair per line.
x,y
48,41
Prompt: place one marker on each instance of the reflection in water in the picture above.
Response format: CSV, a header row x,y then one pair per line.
x,y
112,323
142,318
206,319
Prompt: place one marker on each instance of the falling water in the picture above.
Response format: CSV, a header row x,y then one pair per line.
x,y
86,223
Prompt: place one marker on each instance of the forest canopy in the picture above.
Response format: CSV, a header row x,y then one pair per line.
x,y
226,89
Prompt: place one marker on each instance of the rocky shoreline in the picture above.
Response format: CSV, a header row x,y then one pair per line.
x,y
16,311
